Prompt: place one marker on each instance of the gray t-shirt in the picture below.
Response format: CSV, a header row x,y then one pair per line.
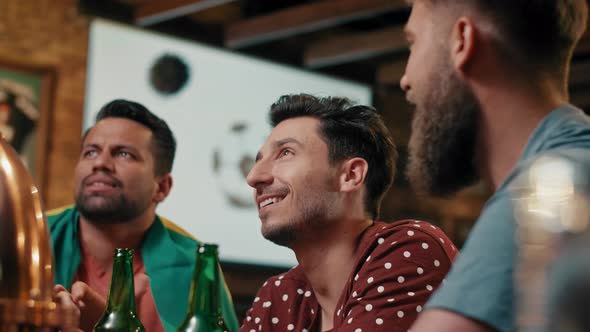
x,y
480,285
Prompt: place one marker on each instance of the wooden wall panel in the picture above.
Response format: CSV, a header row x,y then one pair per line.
x,y
52,34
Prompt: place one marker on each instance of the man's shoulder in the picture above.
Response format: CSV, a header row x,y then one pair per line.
x,y
178,234
167,238
410,228
563,134
61,215
567,128
572,160
385,239
60,212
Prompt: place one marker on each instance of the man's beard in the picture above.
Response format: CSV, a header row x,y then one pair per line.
x,y
442,147
312,215
296,228
110,210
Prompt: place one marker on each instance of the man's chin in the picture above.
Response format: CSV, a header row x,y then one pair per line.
x,y
96,204
100,217
98,209
276,234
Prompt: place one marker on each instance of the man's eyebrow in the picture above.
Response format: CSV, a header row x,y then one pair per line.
x,y
116,147
126,147
287,140
89,146
277,144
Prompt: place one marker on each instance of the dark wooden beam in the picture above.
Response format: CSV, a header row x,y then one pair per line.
x,y
109,9
187,28
305,18
391,73
156,11
351,48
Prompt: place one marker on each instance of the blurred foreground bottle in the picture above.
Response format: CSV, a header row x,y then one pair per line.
x,y
204,308
552,270
120,314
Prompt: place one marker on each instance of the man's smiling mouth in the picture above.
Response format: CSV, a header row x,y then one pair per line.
x,y
269,201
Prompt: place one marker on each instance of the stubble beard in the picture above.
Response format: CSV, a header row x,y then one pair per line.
x,y
312,215
442,147
101,209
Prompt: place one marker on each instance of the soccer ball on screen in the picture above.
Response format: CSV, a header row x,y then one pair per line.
x,y
233,158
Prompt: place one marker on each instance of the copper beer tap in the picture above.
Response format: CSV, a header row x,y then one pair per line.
x,y
26,260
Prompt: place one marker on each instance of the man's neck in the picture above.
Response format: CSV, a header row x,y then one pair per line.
x,y
509,117
334,256
102,239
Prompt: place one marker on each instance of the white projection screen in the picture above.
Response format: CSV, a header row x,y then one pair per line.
x,y
219,119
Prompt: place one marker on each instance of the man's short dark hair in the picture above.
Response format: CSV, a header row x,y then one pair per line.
x,y
541,33
163,142
349,131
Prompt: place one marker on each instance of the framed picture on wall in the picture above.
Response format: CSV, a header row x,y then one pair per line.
x,y
26,98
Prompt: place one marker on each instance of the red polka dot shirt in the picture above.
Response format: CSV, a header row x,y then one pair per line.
x,y
400,266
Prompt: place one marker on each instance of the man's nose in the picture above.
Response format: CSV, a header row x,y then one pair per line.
x,y
404,83
259,175
103,161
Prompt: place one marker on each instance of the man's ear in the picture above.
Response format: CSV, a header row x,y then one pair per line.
x,y
464,38
353,174
164,184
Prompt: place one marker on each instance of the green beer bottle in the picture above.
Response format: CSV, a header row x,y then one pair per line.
x,y
204,307
120,315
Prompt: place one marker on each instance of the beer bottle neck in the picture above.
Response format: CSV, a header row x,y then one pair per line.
x,y
204,298
122,291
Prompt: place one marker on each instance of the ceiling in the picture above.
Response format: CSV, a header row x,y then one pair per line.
x,y
354,39
361,40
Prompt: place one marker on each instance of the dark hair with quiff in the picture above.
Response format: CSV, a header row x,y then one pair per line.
x,y
349,131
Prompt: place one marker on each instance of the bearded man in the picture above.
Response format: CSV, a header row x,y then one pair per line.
x,y
122,175
489,81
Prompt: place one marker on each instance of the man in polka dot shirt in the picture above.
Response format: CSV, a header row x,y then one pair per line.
x,y
318,182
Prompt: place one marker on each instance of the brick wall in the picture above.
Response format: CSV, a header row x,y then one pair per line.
x,y
51,34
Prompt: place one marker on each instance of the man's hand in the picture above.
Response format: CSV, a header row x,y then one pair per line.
x,y
63,298
91,304
83,302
